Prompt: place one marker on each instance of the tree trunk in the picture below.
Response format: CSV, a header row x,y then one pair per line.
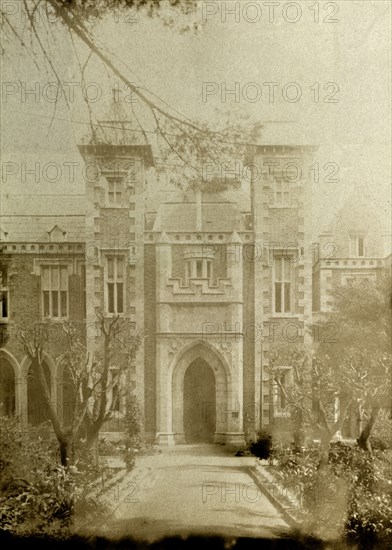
x,y
65,445
363,440
92,445
324,454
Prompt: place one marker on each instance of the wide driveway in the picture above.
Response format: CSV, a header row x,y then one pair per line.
x,y
191,490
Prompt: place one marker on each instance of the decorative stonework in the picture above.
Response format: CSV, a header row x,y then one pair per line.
x,y
199,286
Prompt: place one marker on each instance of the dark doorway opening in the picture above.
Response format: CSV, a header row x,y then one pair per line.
x,y
7,388
36,408
199,403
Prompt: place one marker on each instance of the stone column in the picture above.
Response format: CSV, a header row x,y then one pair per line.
x,y
163,385
234,259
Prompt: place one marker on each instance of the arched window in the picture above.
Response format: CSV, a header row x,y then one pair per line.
x,y
7,388
36,409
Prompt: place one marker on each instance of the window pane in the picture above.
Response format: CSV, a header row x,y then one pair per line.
x,y
118,198
45,278
278,297
120,268
54,278
55,304
209,269
63,278
199,267
120,298
287,304
278,269
46,303
110,268
282,395
110,297
287,269
111,198
63,303
360,246
4,304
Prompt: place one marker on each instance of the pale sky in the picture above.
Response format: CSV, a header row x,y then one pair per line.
x,y
353,53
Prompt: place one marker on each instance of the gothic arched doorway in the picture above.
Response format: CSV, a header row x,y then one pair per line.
x,y
199,402
201,375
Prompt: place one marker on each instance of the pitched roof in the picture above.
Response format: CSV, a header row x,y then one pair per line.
x,y
31,218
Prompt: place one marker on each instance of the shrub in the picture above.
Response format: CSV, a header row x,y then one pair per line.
x,y
370,503
132,443
39,495
36,491
368,481
263,447
381,437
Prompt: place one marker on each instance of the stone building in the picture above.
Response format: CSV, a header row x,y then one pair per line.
x,y
355,247
213,279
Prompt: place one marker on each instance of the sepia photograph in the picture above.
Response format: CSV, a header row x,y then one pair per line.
x,y
195,274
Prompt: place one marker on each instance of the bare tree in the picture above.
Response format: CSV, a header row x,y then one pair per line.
x,y
315,399
93,375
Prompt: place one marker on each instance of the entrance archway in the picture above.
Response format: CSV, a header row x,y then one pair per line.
x,y
197,364
199,403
